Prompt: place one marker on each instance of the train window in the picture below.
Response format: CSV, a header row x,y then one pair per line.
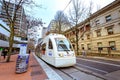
x,y
50,46
43,48
63,44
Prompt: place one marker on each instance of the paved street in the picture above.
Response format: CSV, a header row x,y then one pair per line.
x,y
101,66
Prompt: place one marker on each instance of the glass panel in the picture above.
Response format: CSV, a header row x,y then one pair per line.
x,y
110,31
112,45
89,46
50,46
108,18
98,33
99,44
63,44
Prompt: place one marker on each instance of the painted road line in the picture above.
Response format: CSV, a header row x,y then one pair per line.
x,y
93,68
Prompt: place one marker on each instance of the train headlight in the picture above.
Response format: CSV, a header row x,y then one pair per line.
x,y
60,54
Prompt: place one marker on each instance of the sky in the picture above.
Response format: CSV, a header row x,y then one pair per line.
x,y
50,7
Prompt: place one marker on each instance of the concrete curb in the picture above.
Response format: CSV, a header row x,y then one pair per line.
x,y
52,75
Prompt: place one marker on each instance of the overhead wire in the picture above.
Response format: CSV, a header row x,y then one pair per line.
x,y
67,5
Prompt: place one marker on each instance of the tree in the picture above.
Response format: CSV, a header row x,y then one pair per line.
x,y
11,18
77,14
61,21
34,22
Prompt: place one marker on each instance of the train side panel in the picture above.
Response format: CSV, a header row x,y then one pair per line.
x,y
49,53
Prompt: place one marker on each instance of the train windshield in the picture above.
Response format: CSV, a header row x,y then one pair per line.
x,y
63,44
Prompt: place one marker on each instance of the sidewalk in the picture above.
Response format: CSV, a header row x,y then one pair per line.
x,y
34,72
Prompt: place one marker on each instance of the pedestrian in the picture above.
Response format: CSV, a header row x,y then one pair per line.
x,y
29,51
0,53
4,53
83,52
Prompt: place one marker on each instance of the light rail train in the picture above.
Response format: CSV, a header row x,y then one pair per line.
x,y
56,50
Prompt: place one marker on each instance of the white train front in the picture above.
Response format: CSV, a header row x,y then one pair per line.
x,y
56,50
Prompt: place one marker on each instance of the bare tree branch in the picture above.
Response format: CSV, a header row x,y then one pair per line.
x,y
61,20
11,16
78,13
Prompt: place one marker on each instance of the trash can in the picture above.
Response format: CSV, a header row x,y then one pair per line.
x,y
22,63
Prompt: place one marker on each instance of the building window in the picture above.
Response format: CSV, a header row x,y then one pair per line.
x,y
110,31
108,18
87,27
97,22
88,36
99,44
98,33
82,38
82,46
112,45
3,37
81,29
89,46
73,32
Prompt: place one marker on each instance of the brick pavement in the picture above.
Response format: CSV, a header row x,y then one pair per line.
x,y
34,72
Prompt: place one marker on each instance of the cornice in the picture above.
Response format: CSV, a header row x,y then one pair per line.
x,y
106,8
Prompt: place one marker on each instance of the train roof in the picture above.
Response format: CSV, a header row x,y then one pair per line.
x,y
51,35
54,35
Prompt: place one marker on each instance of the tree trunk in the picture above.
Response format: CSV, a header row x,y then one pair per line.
x,y
76,34
11,40
77,43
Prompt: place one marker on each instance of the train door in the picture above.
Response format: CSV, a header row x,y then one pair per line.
x,y
50,48
43,51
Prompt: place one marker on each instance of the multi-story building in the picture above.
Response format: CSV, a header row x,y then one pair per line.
x,y
4,36
20,27
101,31
44,31
35,33
54,27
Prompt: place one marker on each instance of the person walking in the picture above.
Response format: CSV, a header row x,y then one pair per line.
x,y
83,52
4,53
0,53
29,51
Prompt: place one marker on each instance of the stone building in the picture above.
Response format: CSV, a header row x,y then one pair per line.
x,y
101,31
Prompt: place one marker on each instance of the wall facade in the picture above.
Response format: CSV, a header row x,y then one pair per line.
x,y
104,33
